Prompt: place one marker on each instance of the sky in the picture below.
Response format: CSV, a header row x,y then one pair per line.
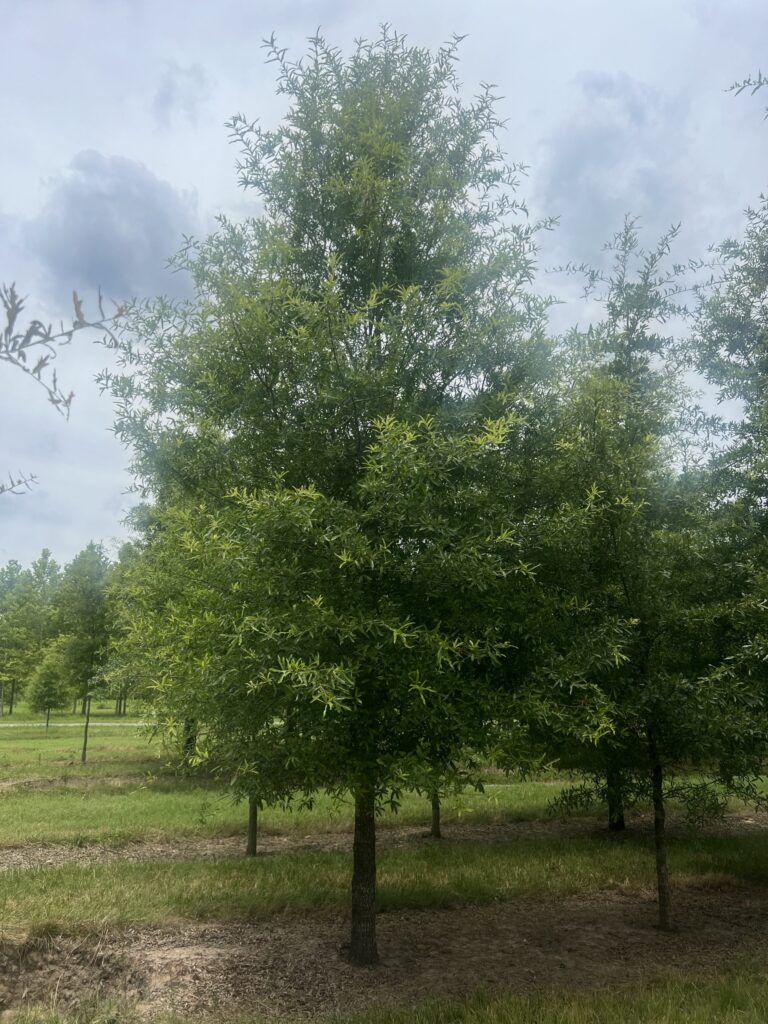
x,y
114,147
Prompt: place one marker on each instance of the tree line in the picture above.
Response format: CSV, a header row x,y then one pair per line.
x,y
55,625
393,528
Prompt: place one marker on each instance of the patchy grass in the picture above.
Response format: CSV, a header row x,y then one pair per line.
x,y
739,996
75,897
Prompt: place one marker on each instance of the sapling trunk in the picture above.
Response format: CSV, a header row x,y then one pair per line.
x,y
253,827
666,920
435,831
362,947
615,799
190,739
84,755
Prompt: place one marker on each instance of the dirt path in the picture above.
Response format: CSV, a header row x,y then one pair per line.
x,y
289,967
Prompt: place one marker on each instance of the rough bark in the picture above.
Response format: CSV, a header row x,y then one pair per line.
x,y
362,947
435,831
615,800
253,827
666,920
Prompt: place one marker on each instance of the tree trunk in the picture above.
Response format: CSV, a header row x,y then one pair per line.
x,y
190,739
615,800
435,830
12,701
47,718
84,755
362,948
253,826
2,699
74,706
666,921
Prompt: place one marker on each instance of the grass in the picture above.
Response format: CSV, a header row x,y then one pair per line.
x,y
77,897
115,749
738,996
730,998
169,807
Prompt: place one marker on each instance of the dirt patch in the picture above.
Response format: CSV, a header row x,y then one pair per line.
x,y
72,782
289,968
62,970
36,855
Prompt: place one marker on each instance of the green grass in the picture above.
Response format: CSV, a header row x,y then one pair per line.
x,y
75,897
114,750
739,997
174,808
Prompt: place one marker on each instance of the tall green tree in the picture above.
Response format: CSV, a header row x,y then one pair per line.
x,y
388,278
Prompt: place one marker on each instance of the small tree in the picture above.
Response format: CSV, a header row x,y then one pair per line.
x,y
82,612
51,684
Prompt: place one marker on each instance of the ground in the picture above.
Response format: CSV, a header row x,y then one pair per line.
x,y
144,904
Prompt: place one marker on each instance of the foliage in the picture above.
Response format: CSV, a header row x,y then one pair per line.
x,y
81,613
51,684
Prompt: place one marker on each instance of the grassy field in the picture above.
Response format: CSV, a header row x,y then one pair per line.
x,y
128,794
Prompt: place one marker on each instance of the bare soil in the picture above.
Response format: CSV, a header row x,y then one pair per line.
x,y
290,969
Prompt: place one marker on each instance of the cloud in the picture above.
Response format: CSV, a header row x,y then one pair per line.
x,y
109,222
617,150
181,93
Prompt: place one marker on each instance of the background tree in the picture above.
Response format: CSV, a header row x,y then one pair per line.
x,y
647,557
51,683
82,614
27,620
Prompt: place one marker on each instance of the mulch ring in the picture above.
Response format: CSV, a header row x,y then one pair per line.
x,y
289,967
